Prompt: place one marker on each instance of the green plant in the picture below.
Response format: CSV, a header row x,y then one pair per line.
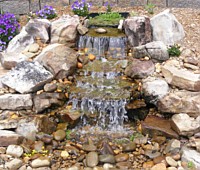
x,y
108,7
174,50
68,134
191,165
81,8
135,135
150,8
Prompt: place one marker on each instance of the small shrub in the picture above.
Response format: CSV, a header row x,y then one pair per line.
x,y
81,8
174,50
48,12
150,8
9,27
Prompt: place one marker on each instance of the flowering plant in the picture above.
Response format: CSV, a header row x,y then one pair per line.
x,y
81,8
108,6
48,12
9,27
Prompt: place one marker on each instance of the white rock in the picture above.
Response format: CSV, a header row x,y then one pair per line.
x,y
14,164
40,162
15,150
171,161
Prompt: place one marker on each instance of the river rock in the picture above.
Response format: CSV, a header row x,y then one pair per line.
x,y
122,157
180,102
152,154
64,29
15,150
9,138
185,125
179,77
156,126
27,77
154,89
129,147
166,28
172,145
92,159
138,30
89,147
155,50
159,167
16,101
107,159
59,135
40,162
50,87
100,30
106,149
14,164
8,123
139,69
171,162
59,59
46,100
123,165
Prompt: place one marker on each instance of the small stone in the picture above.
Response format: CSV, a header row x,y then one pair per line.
x,y
122,157
190,66
171,168
14,164
50,87
159,167
2,150
172,145
64,154
176,157
170,161
38,145
129,147
148,164
124,165
152,154
100,30
159,159
59,135
40,162
92,159
79,65
91,57
15,150
89,147
107,166
107,159
34,48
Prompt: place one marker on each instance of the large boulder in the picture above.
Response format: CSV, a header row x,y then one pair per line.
x,y
59,59
16,101
139,69
154,89
155,50
138,30
166,28
180,102
27,77
180,77
185,125
64,29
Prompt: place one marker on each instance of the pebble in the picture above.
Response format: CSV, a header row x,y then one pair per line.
x,y
171,168
38,145
15,150
64,154
33,48
89,147
122,157
129,147
172,145
148,164
100,30
151,154
14,164
2,150
92,159
123,165
49,87
160,166
91,57
73,168
159,159
40,162
59,135
79,65
107,166
107,159
170,161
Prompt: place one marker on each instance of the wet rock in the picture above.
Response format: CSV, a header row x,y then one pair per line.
x,y
59,135
172,145
9,138
50,87
138,30
82,30
180,102
185,125
39,28
123,165
159,167
122,157
59,59
14,164
100,30
92,159
15,150
16,102
179,77
166,21
30,126
171,162
46,100
40,162
155,50
155,126
154,89
27,77
107,159
64,29
129,147
139,69
33,48
190,155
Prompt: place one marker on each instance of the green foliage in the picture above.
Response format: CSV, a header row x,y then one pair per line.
x,y
68,134
135,135
174,50
150,8
191,165
111,18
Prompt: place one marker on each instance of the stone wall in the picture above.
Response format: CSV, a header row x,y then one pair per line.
x,y
25,6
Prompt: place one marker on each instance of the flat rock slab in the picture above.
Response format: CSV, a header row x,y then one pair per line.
x,y
27,77
155,126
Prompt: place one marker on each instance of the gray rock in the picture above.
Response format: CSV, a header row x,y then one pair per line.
x,y
166,28
39,28
40,162
154,89
82,29
16,101
28,127
179,77
64,29
185,125
59,59
46,100
107,159
14,164
180,102
139,69
27,77
190,155
9,138
100,30
138,30
15,150
92,159
49,87
172,145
